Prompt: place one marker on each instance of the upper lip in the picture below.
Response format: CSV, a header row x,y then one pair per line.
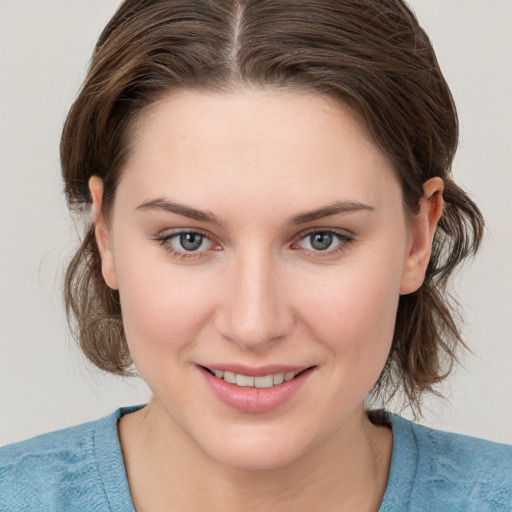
x,y
258,371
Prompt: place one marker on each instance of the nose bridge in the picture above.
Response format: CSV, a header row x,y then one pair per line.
x,y
255,310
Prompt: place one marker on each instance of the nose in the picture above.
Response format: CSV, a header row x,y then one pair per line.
x,y
254,311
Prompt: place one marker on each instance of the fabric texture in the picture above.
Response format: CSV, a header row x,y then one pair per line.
x,y
81,469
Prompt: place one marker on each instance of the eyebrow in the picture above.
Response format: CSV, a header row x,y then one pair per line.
x,y
180,209
336,208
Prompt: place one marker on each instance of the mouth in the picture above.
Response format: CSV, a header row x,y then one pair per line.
x,y
260,382
255,390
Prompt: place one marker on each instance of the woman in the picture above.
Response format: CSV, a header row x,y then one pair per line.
x,y
273,227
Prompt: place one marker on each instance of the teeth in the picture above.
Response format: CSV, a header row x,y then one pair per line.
x,y
266,381
230,377
278,378
244,381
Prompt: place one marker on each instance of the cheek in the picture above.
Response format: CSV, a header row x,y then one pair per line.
x,y
164,308
353,311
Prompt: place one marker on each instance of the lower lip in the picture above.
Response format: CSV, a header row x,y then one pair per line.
x,y
255,400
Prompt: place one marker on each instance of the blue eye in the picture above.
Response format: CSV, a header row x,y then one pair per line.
x,y
321,241
324,241
190,241
186,243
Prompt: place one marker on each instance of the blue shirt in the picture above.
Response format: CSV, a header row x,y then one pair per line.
x,y
81,469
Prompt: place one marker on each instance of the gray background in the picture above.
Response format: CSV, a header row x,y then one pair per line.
x,y
45,47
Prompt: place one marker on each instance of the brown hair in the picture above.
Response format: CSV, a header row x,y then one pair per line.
x,y
371,54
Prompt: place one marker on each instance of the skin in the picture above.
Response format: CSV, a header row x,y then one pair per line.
x,y
256,293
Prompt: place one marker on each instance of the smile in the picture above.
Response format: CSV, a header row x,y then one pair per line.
x,y
266,389
247,381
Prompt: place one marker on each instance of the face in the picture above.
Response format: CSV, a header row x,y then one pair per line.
x,y
259,244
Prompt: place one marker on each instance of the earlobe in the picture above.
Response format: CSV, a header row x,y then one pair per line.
x,y
422,230
101,232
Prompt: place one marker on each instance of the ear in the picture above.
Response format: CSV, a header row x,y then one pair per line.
x,y
421,235
101,232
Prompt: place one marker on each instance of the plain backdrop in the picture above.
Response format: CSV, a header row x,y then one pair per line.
x,y
44,382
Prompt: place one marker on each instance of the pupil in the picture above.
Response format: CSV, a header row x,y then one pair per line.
x,y
321,241
191,241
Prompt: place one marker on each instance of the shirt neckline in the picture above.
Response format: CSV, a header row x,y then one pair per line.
x,y
112,471
402,473
110,462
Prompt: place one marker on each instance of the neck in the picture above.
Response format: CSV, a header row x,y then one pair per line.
x,y
168,471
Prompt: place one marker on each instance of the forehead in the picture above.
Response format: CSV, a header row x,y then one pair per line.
x,y
253,144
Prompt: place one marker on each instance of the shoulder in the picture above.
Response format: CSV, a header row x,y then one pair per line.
x,y
471,452
456,471
60,470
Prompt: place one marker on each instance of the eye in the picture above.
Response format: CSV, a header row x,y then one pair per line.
x,y
190,241
324,241
186,243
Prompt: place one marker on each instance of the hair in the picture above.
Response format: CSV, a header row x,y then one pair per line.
x,y
370,54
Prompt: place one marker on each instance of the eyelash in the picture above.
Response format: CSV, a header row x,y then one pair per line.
x,y
165,242
343,238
